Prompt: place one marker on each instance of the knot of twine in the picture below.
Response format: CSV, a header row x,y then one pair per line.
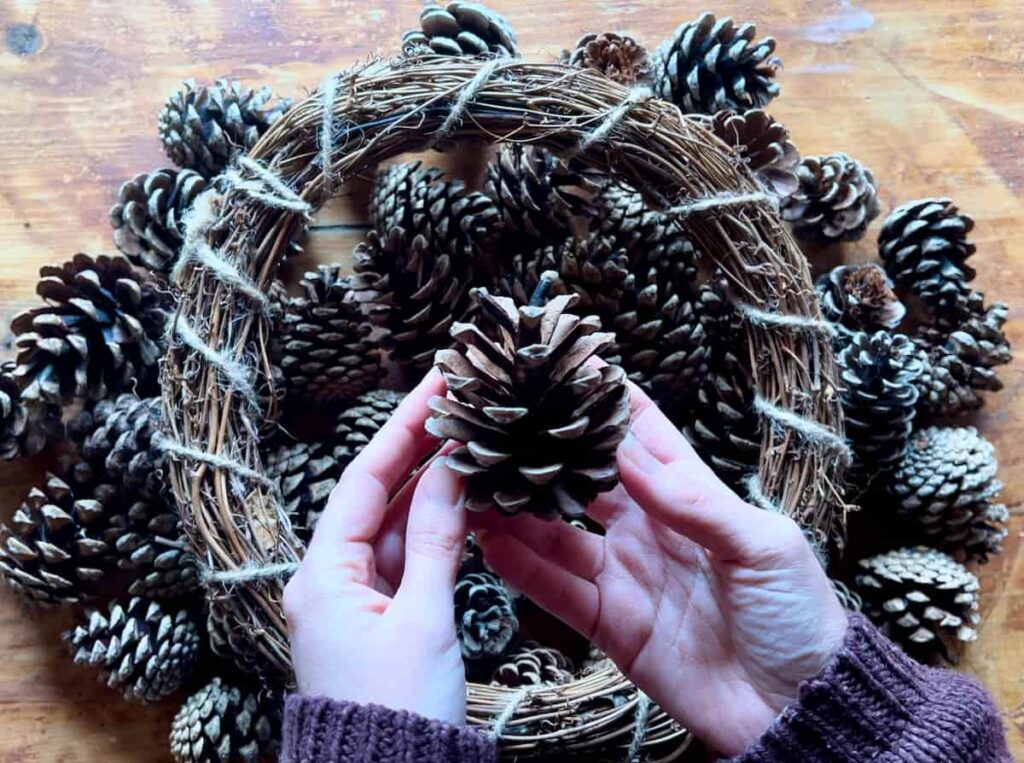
x,y
265,186
812,431
637,94
768,318
248,573
466,96
643,712
502,719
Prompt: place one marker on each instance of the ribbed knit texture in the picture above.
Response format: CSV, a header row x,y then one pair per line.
x,y
872,703
318,730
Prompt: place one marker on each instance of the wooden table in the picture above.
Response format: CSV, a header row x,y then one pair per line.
x,y
929,95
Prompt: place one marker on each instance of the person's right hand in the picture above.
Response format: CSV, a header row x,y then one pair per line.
x,y
715,608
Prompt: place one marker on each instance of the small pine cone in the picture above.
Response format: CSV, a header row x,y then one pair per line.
x,y
922,599
859,298
485,616
138,647
25,428
627,222
117,436
537,193
764,146
945,484
231,640
99,333
532,665
878,374
56,548
203,128
711,64
461,29
617,56
924,247
539,426
148,219
835,200
323,343
358,424
305,472
225,722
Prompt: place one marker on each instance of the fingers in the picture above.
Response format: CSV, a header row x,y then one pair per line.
x,y
577,551
571,599
434,541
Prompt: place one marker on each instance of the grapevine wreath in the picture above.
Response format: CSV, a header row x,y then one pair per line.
x,y
637,207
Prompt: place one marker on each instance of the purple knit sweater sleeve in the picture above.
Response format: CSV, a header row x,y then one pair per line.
x,y
873,703
319,730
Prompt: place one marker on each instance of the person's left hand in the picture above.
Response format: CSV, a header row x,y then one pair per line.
x,y
370,609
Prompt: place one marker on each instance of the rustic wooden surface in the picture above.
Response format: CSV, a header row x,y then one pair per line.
x,y
929,95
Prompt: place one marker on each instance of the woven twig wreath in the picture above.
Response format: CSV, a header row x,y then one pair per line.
x,y
236,240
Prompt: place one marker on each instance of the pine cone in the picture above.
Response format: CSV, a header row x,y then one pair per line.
x,y
626,222
306,472
415,276
461,29
25,428
946,483
397,192
485,617
539,426
962,361
116,436
203,128
878,374
148,219
533,665
323,343
138,648
537,193
859,298
617,56
764,146
922,599
358,424
234,641
225,722
835,200
710,64
924,247
98,334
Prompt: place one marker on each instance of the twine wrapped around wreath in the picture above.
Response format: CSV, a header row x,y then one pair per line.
x,y
236,240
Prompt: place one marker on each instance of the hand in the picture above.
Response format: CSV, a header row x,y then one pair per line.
x,y
716,609
370,610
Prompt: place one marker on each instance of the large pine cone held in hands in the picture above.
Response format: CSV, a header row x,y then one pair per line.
x,y
539,425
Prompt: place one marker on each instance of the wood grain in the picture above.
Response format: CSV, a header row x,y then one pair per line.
x,y
929,95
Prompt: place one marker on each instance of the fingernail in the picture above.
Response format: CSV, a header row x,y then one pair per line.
x,y
636,453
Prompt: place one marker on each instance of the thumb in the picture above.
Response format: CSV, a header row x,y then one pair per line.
x,y
434,540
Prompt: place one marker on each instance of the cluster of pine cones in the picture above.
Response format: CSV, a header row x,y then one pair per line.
x,y
509,288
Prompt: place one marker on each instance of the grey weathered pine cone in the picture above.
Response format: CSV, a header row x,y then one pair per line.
x,y
946,486
763,144
461,29
148,218
226,721
835,199
712,64
859,298
25,428
485,617
359,422
538,426
305,473
617,56
531,664
922,599
99,333
878,373
924,246
324,344
141,649
203,128
537,194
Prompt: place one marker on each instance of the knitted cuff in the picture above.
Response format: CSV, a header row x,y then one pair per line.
x,y
320,730
873,700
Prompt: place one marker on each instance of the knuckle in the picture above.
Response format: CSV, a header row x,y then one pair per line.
x,y
435,542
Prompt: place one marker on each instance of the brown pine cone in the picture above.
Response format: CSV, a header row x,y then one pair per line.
x,y
532,665
358,423
25,428
148,219
617,56
539,426
461,29
305,472
763,144
859,298
835,200
627,222
99,333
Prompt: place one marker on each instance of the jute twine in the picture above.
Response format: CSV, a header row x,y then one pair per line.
x,y
235,238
